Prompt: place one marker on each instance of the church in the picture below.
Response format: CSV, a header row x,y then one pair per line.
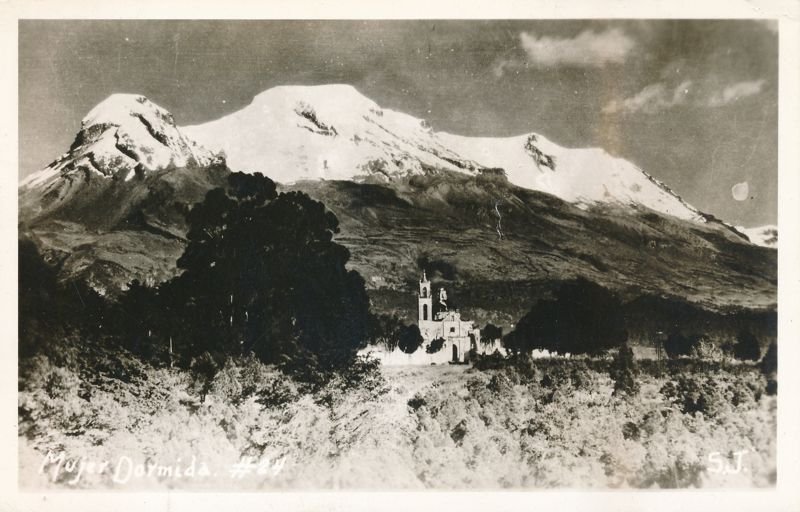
x,y
446,338
459,336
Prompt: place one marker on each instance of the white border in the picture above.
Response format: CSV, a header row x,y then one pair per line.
x,y
786,496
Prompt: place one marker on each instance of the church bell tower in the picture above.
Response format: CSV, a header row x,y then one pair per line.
x,y
425,300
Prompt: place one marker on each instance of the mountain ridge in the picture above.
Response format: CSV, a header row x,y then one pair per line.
x,y
107,226
294,133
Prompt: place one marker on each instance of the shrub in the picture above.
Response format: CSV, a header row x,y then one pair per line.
x,y
491,361
706,350
364,373
435,346
204,368
277,391
416,401
693,394
409,339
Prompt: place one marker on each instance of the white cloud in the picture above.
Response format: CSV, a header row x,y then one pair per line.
x,y
658,97
589,48
734,92
652,99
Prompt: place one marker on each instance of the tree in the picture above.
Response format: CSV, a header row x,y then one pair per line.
x,y
490,333
583,317
385,330
50,310
38,300
747,347
769,367
262,274
435,346
410,338
137,320
678,344
623,372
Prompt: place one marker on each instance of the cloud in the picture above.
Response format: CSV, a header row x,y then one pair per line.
x,y
733,92
652,99
587,49
658,97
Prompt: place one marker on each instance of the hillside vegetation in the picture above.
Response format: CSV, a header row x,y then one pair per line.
x,y
541,424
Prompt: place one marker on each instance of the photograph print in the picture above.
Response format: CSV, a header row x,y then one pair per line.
x,y
397,255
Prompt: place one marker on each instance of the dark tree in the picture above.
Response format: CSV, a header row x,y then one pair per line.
x,y
747,347
137,321
583,317
384,330
410,338
769,367
262,274
623,372
490,333
50,310
39,314
435,346
677,344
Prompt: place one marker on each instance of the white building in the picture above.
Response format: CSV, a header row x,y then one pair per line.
x,y
457,337
460,336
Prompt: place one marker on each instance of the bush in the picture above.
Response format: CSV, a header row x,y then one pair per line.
x,y
706,350
410,339
204,368
435,346
693,394
491,361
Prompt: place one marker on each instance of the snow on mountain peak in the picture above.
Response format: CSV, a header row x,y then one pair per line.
x,y
123,135
118,107
294,133
765,236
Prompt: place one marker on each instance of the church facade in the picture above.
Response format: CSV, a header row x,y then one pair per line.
x,y
446,337
457,336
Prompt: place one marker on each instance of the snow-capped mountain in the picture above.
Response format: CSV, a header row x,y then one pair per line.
x,y
124,135
332,132
113,208
765,236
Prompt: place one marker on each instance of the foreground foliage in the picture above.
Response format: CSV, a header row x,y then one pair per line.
x,y
513,424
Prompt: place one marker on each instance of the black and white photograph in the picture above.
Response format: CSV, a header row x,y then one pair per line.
x,y
261,255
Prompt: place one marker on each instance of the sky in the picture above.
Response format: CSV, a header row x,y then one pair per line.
x,y
692,102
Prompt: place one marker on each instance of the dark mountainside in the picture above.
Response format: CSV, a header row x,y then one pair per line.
x,y
497,266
